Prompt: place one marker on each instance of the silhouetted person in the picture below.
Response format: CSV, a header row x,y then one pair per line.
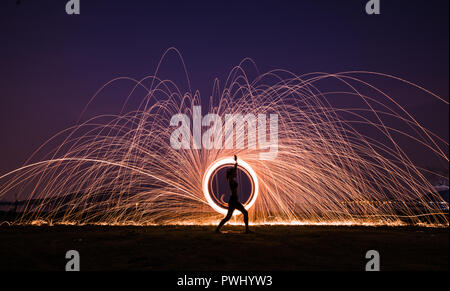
x,y
234,203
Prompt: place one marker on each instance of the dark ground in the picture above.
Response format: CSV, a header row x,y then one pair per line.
x,y
186,248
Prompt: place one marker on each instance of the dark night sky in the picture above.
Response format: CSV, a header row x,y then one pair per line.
x,y
52,63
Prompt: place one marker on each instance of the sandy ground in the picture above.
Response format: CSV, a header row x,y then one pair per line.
x,y
184,248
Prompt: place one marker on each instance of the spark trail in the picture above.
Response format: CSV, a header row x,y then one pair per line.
x,y
334,165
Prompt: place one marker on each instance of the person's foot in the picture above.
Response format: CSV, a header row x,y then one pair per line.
x,y
248,231
218,230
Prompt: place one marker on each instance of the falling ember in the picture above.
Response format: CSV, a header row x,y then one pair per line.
x,y
121,169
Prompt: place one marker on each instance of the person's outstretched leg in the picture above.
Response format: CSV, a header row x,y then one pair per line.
x,y
242,209
226,218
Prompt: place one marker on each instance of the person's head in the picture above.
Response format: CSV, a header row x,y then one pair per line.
x,y
231,173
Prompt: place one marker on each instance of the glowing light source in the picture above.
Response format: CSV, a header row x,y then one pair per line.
x,y
229,161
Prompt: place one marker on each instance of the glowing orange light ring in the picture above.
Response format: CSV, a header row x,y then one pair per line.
x,y
218,164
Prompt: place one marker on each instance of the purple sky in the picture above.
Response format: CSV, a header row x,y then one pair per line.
x,y
52,63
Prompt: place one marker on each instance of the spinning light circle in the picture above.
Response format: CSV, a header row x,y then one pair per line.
x,y
223,162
